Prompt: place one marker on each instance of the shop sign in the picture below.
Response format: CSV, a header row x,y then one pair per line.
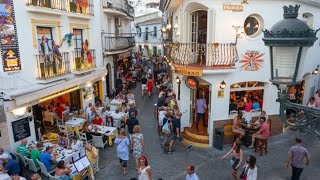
x,y
192,82
8,38
21,129
232,7
251,61
188,72
221,94
124,55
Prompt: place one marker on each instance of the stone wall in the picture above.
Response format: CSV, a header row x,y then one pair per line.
x,y
276,127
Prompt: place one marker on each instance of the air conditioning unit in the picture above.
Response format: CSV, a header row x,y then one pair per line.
x,y
118,22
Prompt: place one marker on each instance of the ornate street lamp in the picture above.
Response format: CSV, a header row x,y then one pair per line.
x,y
286,40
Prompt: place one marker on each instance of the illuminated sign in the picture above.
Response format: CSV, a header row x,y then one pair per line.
x,y
192,82
51,96
188,72
232,7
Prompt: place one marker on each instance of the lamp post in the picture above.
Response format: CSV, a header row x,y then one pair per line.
x,y
178,82
286,40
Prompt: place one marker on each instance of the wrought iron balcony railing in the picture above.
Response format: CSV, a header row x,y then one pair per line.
x,y
116,43
120,5
51,65
84,7
84,60
205,55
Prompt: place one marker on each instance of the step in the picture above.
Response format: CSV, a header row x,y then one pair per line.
x,y
196,135
194,141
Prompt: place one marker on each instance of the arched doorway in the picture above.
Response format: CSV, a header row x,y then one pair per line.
x,y
109,80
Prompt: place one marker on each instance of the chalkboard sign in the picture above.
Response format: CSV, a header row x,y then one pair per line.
x,y
21,129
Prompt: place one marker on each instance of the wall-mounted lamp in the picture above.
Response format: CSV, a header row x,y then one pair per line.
x,y
222,85
316,71
89,85
19,112
168,26
178,82
103,79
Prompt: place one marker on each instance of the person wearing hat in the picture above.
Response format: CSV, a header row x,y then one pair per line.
x,y
8,165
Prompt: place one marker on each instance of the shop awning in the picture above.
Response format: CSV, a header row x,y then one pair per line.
x,y
50,92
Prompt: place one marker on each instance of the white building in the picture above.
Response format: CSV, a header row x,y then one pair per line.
x,y
221,41
81,74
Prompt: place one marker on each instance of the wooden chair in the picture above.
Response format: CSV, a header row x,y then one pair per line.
x,y
261,145
83,137
32,166
98,141
95,166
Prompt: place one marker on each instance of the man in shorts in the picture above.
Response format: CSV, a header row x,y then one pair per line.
x,y
176,129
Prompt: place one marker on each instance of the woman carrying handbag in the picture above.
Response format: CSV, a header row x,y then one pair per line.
x,y
250,170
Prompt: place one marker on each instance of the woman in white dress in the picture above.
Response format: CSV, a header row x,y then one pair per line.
x,y
145,170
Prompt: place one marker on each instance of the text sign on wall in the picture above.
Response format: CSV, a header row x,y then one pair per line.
x,y
188,72
8,38
20,129
232,7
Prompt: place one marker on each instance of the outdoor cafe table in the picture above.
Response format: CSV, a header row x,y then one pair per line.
x,y
250,129
75,123
118,102
108,131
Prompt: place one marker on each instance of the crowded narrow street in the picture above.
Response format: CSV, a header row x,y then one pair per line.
x,y
207,161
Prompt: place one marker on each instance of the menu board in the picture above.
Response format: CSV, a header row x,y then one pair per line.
x,y
8,37
21,129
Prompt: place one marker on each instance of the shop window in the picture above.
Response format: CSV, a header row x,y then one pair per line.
x,y
253,25
154,50
77,39
44,32
243,92
146,34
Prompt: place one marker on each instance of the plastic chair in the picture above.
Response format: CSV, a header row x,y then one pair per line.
x,y
22,159
44,170
31,165
95,166
98,141
52,177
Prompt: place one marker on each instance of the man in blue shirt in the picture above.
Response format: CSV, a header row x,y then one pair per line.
x,y
47,159
9,166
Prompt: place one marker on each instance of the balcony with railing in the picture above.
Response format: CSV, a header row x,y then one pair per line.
x,y
210,56
81,7
118,7
83,61
52,65
113,44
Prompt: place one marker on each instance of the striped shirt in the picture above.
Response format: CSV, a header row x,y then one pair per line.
x,y
23,150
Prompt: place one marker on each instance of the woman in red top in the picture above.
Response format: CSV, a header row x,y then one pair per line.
x,y
149,86
97,120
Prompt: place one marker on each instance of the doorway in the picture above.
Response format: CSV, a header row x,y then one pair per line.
x,y
199,35
202,92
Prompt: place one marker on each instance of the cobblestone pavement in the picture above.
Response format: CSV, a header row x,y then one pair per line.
x,y
207,161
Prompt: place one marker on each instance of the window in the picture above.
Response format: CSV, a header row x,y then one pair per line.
x,y
146,34
253,25
139,32
155,31
243,92
44,31
154,50
78,38
140,48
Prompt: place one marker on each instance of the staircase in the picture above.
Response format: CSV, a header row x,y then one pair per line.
x,y
195,138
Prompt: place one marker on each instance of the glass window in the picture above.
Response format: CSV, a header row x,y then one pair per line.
x,y
155,31
146,33
44,31
251,25
78,38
